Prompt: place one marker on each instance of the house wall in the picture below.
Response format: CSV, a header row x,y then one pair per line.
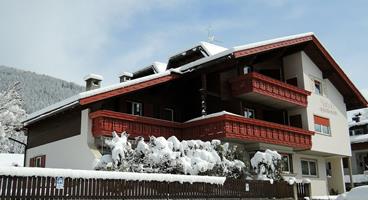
x,y
329,105
318,183
76,152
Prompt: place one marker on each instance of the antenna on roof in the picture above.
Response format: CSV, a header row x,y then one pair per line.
x,y
211,36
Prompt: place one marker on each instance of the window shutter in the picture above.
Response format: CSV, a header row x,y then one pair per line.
x,y
43,161
32,162
321,120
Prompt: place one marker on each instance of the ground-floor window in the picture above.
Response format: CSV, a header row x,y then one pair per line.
x,y
38,161
286,163
309,167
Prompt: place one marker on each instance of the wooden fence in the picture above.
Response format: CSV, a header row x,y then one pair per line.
x,y
18,187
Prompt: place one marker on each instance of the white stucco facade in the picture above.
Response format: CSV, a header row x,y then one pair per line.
x,y
75,152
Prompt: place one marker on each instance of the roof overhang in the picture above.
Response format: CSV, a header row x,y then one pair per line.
x,y
318,53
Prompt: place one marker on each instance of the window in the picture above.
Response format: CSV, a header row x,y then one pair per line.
x,y
286,163
322,125
309,167
168,114
358,131
247,69
38,161
317,87
135,108
249,113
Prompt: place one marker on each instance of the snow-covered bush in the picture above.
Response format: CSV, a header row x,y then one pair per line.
x,y
11,116
160,155
267,165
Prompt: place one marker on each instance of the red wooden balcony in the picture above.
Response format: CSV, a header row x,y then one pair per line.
x,y
219,126
105,121
229,126
269,91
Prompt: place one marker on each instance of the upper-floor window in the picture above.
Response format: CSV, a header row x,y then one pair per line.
x,y
322,125
168,114
309,167
135,108
249,113
247,69
358,131
318,87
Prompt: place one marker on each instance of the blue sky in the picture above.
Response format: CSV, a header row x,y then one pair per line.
x,y
69,39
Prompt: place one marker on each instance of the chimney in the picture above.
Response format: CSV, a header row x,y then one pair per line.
x,y
125,76
93,81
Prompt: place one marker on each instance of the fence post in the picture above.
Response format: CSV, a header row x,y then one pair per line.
x,y
295,190
168,191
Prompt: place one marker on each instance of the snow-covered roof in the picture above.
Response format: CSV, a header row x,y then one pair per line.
x,y
211,116
212,49
132,176
72,101
126,74
159,66
93,76
240,48
11,159
359,138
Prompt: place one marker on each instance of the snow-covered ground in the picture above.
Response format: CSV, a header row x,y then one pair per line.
x,y
8,160
357,193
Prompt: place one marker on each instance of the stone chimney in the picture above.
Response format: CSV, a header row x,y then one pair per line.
x,y
125,76
93,81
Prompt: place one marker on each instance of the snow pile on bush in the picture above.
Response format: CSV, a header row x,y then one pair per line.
x,y
160,155
267,165
11,116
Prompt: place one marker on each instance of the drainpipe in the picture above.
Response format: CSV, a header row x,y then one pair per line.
x,y
350,173
25,149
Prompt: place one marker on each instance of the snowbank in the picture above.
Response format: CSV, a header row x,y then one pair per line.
x,y
72,173
357,178
9,159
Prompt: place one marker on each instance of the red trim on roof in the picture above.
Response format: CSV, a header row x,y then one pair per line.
x,y
340,72
315,41
271,46
127,89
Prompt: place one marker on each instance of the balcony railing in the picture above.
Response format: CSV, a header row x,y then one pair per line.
x,y
269,87
105,121
216,126
229,126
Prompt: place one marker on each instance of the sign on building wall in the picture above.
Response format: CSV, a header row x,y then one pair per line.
x,y
60,183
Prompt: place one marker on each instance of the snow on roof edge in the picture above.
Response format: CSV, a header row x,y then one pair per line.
x,y
212,115
73,173
359,138
212,49
266,42
75,99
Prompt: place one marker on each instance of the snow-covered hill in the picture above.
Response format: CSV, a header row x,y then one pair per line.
x,y
37,91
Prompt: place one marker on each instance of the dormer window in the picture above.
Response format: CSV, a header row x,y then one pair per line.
x,y
247,69
317,87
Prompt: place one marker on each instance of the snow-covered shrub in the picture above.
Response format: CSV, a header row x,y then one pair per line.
x,y
11,116
160,155
267,165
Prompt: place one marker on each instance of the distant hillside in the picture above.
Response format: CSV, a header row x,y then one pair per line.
x,y
38,91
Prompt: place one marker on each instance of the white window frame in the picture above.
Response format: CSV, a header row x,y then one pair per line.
x,y
38,161
246,112
324,130
309,168
288,162
247,69
140,106
172,113
320,87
